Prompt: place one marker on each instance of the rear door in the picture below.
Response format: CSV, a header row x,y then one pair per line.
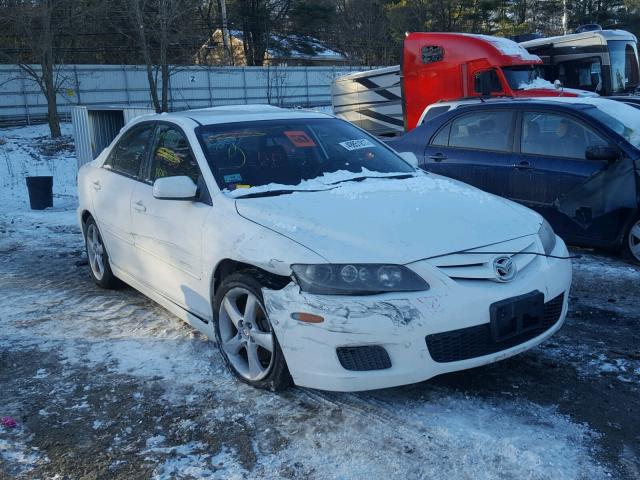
x,y
553,164
112,187
476,148
168,233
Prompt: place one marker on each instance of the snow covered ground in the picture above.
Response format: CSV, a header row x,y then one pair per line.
x,y
109,385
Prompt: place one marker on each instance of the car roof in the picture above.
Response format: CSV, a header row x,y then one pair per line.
x,y
575,103
237,113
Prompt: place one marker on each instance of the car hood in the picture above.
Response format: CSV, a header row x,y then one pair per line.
x,y
391,220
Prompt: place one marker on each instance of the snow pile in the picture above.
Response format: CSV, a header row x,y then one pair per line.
x,y
537,83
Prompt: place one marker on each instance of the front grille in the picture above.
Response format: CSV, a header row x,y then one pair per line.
x,y
477,264
477,341
368,357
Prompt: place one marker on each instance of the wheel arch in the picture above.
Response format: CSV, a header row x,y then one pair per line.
x,y
228,266
84,217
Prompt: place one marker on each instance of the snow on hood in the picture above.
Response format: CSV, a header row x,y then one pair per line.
x,y
391,220
323,182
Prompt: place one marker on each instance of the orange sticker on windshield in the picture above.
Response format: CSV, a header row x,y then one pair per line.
x,y
299,138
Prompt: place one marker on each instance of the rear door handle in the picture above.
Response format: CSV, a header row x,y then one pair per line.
x,y
523,166
96,185
139,206
438,157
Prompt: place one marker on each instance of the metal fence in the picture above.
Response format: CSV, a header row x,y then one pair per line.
x,y
190,87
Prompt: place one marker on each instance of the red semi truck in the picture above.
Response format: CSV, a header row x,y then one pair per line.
x,y
439,67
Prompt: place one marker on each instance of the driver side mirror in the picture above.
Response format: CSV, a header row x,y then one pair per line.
x,y
602,152
174,188
410,158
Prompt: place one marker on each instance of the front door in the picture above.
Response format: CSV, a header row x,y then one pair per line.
x,y
168,233
112,187
553,167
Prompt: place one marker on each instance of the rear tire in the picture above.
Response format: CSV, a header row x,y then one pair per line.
x,y
631,248
244,335
97,256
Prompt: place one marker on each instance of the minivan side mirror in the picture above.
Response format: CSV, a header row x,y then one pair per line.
x,y
174,188
410,158
602,152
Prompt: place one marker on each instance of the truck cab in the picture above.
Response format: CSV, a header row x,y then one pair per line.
x,y
448,66
438,67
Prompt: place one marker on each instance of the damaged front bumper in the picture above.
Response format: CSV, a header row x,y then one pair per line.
x,y
399,323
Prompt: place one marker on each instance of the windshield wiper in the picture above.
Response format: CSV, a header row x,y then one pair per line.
x,y
360,179
273,193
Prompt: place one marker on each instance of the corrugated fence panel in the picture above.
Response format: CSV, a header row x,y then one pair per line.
x,y
190,87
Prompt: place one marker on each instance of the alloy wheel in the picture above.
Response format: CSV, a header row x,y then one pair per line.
x,y
95,251
246,334
634,240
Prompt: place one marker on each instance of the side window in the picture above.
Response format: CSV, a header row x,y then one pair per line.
x,y
556,135
434,112
172,156
482,131
441,138
493,80
584,73
129,152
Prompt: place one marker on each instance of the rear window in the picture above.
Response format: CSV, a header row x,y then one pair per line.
x,y
287,152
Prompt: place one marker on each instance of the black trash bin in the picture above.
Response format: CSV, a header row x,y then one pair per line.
x,y
40,192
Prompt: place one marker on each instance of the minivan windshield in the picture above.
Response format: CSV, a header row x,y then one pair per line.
x,y
289,151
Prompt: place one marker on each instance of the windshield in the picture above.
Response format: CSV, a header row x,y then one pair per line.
x,y
624,66
525,77
288,152
619,117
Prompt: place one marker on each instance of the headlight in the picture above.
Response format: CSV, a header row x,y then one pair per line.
x,y
357,279
547,237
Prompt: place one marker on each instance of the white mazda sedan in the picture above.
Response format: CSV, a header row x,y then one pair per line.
x,y
314,253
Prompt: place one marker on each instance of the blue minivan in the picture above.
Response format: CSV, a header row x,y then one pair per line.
x,y
574,160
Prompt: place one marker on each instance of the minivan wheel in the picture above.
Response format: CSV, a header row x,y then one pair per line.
x,y
98,257
244,335
632,243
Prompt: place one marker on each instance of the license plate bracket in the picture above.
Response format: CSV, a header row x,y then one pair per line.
x,y
516,315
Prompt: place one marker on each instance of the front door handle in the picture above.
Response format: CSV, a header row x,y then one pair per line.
x,y
438,157
139,206
96,185
523,166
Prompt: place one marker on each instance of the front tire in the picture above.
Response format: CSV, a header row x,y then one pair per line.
x,y
244,335
632,242
98,257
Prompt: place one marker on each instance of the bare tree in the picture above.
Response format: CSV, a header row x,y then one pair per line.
x,y
39,32
162,31
276,79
